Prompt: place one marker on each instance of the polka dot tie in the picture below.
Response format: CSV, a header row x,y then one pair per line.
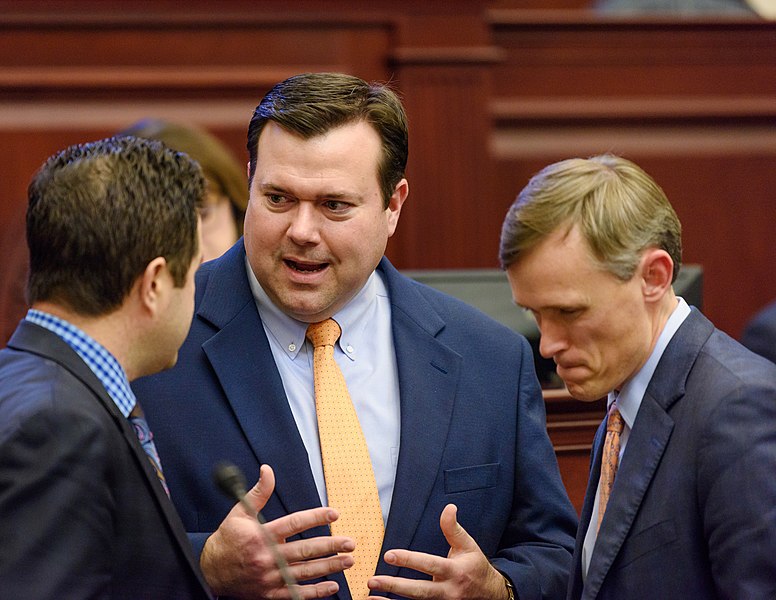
x,y
350,479
611,458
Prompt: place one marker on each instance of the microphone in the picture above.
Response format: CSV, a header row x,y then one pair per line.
x,y
231,482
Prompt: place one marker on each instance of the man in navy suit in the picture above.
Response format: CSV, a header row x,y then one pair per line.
x,y
591,248
447,399
113,235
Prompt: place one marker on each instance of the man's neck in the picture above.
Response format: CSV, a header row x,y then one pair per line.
x,y
113,331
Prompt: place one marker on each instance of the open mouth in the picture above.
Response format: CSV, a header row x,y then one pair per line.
x,y
305,267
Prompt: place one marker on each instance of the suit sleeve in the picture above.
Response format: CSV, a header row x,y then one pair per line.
x,y
56,506
536,547
737,491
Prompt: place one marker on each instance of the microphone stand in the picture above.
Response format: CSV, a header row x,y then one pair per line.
x,y
231,481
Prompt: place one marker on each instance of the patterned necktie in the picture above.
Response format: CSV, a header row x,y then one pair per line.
x,y
350,479
611,458
143,432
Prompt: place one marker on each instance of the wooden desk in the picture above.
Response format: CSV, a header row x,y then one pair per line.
x,y
571,425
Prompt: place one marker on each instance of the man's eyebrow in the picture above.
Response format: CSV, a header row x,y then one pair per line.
x,y
268,187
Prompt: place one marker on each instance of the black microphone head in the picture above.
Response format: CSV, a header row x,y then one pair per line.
x,y
230,480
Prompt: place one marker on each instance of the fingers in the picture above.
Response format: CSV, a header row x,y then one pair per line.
x,y
313,569
295,523
456,536
258,495
407,588
464,573
317,590
436,566
312,548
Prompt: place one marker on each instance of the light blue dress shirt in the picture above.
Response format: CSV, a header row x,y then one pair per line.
x,y
366,355
628,402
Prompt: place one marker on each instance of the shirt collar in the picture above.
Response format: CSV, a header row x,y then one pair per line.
x,y
632,393
101,362
290,333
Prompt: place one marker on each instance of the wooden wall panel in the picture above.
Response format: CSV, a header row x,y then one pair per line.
x,y
449,221
693,102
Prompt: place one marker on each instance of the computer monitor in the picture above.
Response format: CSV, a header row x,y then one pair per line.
x,y
489,291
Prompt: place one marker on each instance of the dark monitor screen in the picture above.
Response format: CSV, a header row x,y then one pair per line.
x,y
489,291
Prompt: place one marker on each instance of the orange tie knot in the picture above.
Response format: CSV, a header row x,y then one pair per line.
x,y
325,333
615,422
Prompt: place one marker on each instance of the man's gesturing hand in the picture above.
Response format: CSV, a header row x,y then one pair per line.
x,y
236,560
466,573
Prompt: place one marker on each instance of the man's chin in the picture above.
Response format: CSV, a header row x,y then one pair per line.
x,y
171,363
579,391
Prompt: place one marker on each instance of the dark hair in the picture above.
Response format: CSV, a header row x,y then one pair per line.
x,y
98,213
313,103
223,173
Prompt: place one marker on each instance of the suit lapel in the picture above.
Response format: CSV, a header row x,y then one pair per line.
x,y
242,360
646,444
575,587
155,488
428,378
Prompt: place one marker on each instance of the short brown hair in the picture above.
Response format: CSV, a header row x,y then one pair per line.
x,y
99,212
619,209
223,173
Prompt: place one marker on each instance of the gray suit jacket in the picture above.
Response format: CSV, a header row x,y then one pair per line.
x,y
83,514
693,509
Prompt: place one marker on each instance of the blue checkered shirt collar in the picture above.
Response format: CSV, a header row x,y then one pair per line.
x,y
102,363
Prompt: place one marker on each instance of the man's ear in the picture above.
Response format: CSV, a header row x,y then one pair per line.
x,y
400,193
657,270
152,283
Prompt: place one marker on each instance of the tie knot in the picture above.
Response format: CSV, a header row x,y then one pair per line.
x,y
615,422
325,333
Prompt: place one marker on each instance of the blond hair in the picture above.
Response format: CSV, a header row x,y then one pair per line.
x,y
618,208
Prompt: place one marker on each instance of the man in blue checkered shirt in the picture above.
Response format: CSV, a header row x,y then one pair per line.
x,y
113,234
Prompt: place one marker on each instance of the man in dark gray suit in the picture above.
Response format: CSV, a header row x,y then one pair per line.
x,y
591,248
112,230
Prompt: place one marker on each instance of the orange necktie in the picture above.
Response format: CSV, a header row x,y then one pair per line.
x,y
350,479
611,458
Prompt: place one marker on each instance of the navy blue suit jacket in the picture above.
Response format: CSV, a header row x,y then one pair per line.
x,y
82,513
693,509
472,428
760,333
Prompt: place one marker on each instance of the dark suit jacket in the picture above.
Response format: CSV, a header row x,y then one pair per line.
x,y
693,509
760,333
82,514
472,428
